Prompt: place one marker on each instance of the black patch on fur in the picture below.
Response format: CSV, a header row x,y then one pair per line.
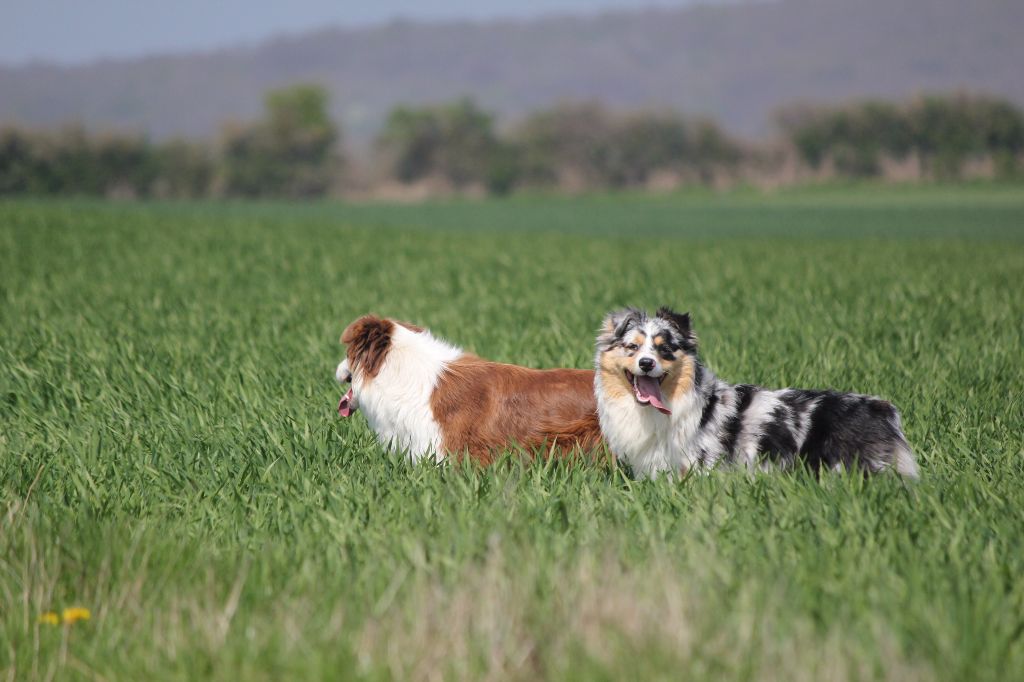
x,y
709,409
851,430
744,394
819,446
799,402
681,326
799,399
777,440
665,351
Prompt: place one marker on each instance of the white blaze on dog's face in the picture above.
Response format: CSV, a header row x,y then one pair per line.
x,y
649,357
347,404
343,374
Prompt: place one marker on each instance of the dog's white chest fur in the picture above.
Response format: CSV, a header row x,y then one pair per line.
x,y
396,402
649,441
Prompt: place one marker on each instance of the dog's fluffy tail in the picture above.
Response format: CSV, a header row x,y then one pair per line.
x,y
902,462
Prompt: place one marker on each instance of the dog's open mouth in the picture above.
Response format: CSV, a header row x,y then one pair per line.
x,y
345,406
647,390
343,375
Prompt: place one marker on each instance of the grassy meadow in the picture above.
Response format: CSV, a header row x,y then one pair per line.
x,y
170,458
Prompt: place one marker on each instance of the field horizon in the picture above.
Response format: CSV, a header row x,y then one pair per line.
x,y
171,461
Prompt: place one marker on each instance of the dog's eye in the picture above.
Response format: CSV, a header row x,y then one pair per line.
x,y
632,346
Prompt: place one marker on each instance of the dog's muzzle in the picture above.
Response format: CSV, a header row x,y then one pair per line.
x,y
346,406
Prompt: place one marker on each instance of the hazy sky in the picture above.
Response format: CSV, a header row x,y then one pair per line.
x,y
84,30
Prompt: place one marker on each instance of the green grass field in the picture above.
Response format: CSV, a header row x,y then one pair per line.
x,y
170,458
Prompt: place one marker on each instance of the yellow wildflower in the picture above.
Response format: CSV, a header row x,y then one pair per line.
x,y
49,618
75,614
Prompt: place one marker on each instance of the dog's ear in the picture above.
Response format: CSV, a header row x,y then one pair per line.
x,y
615,325
368,340
357,328
681,324
680,321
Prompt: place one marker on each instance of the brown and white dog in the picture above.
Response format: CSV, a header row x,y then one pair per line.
x,y
427,398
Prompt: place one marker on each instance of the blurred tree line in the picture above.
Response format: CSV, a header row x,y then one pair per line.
x,y
581,145
294,150
942,132
291,152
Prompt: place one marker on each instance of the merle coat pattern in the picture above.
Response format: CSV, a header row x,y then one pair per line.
x,y
661,410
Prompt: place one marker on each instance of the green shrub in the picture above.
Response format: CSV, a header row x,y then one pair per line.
x,y
944,131
605,150
291,153
454,141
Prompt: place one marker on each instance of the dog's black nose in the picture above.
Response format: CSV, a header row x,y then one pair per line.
x,y
646,364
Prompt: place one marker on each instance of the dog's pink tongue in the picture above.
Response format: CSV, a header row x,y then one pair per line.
x,y
345,404
648,391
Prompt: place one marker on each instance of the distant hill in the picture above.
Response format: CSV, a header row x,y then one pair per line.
x,y
737,63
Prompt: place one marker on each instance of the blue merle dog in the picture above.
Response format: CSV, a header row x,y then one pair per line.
x,y
662,411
